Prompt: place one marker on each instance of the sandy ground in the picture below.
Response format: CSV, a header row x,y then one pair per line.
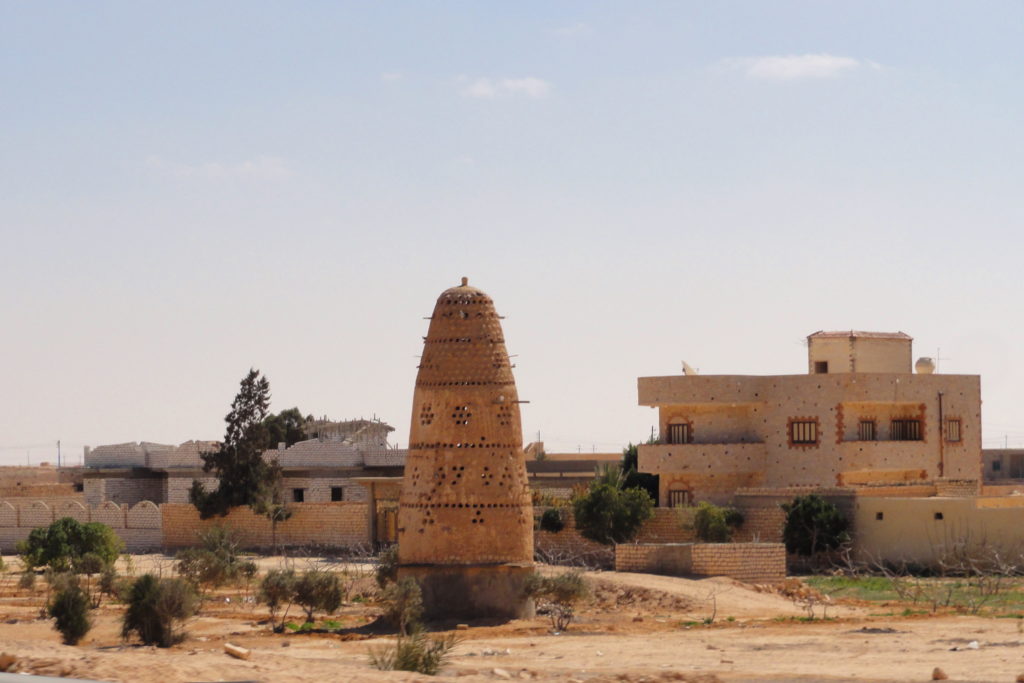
x,y
637,627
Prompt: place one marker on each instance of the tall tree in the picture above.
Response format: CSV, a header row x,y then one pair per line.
x,y
238,462
285,427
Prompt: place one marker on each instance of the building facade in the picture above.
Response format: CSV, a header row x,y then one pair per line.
x,y
861,417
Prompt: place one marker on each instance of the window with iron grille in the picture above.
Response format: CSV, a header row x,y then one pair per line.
x,y
905,430
866,430
680,433
953,430
803,431
679,499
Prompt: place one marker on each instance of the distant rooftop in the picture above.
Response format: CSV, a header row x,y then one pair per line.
x,y
859,334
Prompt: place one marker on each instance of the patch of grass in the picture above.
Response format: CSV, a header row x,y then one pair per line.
x,y
332,624
870,588
688,624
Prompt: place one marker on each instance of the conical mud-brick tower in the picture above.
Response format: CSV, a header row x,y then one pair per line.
x,y
465,519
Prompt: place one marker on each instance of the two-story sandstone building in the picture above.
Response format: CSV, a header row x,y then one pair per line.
x,y
860,417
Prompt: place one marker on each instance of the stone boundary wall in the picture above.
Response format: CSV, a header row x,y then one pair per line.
x,y
671,559
140,526
146,527
901,491
957,488
40,491
748,562
568,545
333,525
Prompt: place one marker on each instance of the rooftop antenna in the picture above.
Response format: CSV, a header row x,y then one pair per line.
x,y
939,358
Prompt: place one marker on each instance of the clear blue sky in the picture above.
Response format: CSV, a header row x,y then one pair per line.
x,y
190,189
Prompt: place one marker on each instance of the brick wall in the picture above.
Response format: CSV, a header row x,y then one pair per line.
x,y
673,559
750,562
669,525
569,546
956,488
326,524
762,524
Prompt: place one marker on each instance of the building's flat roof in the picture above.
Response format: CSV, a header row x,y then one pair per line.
x,y
859,334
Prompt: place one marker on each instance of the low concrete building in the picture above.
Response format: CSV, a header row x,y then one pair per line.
x,y
1003,465
318,470
860,417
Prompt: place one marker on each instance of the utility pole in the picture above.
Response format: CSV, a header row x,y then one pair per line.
x,y
58,453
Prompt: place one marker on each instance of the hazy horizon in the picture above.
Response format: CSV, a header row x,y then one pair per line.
x,y
191,190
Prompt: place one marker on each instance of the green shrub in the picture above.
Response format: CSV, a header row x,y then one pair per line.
x,y
200,567
248,569
403,604
216,561
277,590
63,543
608,513
387,566
108,580
551,520
714,524
157,609
558,596
317,590
69,606
813,525
415,652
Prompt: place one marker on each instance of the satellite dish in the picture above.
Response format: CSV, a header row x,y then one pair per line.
x,y
688,370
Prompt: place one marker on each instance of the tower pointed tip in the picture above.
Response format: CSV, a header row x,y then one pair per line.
x,y
465,280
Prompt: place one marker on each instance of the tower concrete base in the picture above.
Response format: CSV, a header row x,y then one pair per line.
x,y
473,591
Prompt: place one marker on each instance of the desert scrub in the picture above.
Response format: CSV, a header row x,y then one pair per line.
x,y
69,606
317,590
277,592
403,605
157,610
414,652
558,596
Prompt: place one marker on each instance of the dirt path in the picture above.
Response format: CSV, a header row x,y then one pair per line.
x,y
637,627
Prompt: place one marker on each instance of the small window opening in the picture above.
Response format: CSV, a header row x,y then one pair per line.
x,y
680,433
997,465
953,430
803,431
821,367
337,494
298,495
905,430
879,516
938,515
680,499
